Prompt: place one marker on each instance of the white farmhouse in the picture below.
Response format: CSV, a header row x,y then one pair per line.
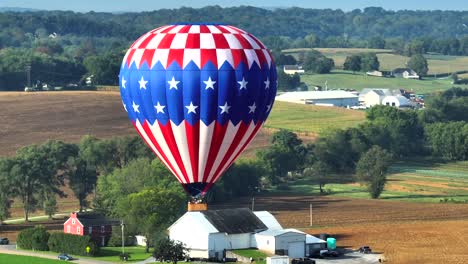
x,y
324,98
209,234
374,96
292,69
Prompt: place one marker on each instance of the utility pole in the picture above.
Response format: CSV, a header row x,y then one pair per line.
x,y
310,214
28,75
253,203
122,225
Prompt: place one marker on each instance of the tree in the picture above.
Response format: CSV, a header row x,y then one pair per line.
x,y
167,249
352,63
369,62
315,61
319,172
372,168
419,64
448,140
82,180
37,169
286,154
151,210
376,43
450,105
288,82
5,189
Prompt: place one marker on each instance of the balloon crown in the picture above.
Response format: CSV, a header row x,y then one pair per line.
x,y
199,24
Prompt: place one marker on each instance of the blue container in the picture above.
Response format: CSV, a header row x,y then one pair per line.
x,y
331,243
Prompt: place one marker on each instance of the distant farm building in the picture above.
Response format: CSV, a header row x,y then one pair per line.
x,y
96,226
325,98
406,73
398,101
209,234
375,73
374,96
292,69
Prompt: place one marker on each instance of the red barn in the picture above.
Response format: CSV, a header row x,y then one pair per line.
x,y
96,226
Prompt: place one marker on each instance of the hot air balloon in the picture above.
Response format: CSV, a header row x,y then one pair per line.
x,y
198,94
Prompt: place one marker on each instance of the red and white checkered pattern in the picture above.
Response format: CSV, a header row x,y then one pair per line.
x,y
197,43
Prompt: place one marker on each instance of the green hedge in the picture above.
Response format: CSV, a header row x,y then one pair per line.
x,y
33,238
72,244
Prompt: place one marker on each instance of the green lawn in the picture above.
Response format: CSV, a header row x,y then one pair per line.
x,y
112,254
414,181
17,259
343,79
258,256
312,119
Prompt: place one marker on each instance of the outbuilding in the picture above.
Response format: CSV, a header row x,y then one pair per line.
x,y
324,98
397,101
282,242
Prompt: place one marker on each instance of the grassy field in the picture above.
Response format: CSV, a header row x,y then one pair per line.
x,y
389,60
413,181
312,119
111,254
258,256
338,79
17,259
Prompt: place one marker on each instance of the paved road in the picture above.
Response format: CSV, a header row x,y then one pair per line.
x,y
11,249
351,258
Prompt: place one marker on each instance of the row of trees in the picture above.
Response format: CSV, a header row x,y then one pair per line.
x,y
37,173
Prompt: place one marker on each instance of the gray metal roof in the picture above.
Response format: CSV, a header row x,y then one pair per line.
x,y
234,221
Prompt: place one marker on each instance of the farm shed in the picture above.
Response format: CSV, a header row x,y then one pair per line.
x,y
289,242
269,220
314,245
327,98
397,101
207,234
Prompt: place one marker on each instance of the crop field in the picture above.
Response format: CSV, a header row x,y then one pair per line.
x,y
338,79
389,60
393,227
312,119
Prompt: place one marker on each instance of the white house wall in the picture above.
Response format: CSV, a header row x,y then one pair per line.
x,y
265,243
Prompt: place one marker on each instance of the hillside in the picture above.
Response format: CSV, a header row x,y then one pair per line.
x,y
29,118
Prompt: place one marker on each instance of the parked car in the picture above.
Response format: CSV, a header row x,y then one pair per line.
x,y
329,253
64,256
4,241
365,249
303,261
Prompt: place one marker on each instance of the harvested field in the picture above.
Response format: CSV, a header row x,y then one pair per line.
x,y
30,118
405,232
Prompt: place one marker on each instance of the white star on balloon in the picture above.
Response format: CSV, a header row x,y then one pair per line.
x,y
267,83
173,83
125,107
209,84
191,108
142,83
124,82
243,84
135,107
159,108
225,108
268,108
252,108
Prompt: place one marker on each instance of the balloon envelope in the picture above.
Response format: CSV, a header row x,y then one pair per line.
x,y
198,94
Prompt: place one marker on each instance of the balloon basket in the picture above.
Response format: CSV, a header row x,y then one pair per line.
x,y
193,207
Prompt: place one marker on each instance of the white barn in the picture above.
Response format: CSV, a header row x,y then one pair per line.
x,y
398,101
208,234
325,98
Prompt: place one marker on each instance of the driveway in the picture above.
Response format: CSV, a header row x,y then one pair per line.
x,y
351,257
